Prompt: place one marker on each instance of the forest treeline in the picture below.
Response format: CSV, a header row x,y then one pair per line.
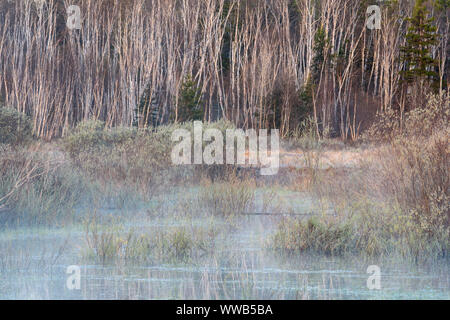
x,y
259,64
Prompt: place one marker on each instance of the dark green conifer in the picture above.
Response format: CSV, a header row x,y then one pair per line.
x,y
416,54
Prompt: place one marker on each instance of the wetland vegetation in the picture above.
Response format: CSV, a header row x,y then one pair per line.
x,y
86,124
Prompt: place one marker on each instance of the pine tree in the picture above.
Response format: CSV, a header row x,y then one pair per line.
x,y
416,54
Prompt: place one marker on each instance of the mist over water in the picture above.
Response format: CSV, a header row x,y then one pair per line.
x,y
34,262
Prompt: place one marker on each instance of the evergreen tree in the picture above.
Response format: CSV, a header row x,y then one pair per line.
x,y
320,45
416,54
189,107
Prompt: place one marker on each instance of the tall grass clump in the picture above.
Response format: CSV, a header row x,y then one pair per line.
x,y
296,235
112,243
365,228
226,198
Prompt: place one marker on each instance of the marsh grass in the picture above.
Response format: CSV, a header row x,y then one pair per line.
x,y
227,199
395,202
113,243
399,206
295,235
